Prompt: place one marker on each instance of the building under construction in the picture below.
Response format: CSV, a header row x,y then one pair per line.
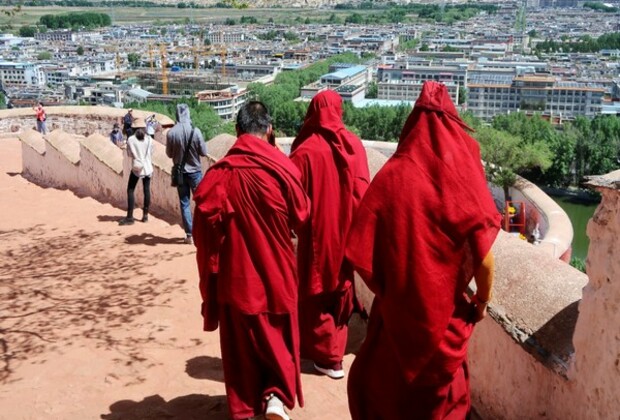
x,y
179,83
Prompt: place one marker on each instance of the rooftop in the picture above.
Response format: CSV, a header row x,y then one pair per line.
x,y
345,73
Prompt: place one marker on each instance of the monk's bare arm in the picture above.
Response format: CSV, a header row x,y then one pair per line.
x,y
484,277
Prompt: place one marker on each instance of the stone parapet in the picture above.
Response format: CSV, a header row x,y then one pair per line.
x,y
105,151
66,144
554,224
81,120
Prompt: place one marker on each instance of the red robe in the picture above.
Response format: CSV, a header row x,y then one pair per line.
x,y
422,230
335,175
246,206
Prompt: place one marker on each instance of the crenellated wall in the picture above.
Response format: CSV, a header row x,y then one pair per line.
x,y
80,120
95,167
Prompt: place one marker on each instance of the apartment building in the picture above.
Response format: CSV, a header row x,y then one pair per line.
x,y
348,80
14,73
222,37
345,74
403,71
530,93
403,81
249,71
225,102
410,90
55,36
56,76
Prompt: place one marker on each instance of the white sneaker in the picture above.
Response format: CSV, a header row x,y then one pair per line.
x,y
275,409
332,373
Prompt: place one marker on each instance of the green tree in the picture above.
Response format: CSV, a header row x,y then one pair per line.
x,y
75,20
80,50
44,55
408,45
462,94
505,155
355,18
333,19
372,90
291,36
597,145
562,145
27,31
133,59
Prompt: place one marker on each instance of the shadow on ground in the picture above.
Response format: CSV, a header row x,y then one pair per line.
x,y
152,240
106,218
205,367
57,288
187,407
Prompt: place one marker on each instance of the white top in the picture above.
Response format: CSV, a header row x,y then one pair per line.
x,y
141,152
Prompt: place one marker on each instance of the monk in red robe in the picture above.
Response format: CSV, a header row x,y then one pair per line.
x,y
246,206
334,171
424,228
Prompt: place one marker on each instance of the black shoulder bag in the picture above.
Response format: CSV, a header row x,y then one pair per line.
x,y
177,168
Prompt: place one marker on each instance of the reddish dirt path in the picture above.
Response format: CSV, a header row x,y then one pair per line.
x,y
101,321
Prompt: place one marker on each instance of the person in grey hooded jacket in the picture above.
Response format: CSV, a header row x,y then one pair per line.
x,y
177,140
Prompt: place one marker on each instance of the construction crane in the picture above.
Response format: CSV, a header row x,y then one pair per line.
x,y
223,60
151,61
164,73
196,59
117,60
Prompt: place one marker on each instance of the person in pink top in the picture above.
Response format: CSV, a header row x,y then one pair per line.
x,y
41,118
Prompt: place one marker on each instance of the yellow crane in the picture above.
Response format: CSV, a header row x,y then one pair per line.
x,y
223,59
151,61
164,72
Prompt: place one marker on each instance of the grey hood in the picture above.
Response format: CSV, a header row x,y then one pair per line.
x,y
183,114
179,135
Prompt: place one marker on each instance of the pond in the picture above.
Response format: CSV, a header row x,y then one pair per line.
x,y
579,213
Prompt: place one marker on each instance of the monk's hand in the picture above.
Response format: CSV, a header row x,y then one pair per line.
x,y
480,308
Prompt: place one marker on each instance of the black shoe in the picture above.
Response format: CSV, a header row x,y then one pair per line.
x,y
126,221
145,218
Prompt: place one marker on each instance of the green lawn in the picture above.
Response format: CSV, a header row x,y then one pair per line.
x,y
125,15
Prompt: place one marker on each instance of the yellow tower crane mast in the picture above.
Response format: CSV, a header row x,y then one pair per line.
x,y
164,72
151,61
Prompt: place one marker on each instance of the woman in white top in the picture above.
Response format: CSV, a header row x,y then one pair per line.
x,y
140,150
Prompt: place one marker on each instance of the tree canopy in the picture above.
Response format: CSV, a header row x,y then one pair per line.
x,y
75,20
27,31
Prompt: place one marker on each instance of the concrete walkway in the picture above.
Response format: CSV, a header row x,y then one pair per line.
x,y
102,321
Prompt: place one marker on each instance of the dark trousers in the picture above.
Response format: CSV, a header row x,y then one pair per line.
x,y
131,199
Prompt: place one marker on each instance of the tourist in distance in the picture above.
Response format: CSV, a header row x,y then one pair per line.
x,y
140,150
41,118
151,125
116,136
246,206
335,175
424,228
128,123
185,145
